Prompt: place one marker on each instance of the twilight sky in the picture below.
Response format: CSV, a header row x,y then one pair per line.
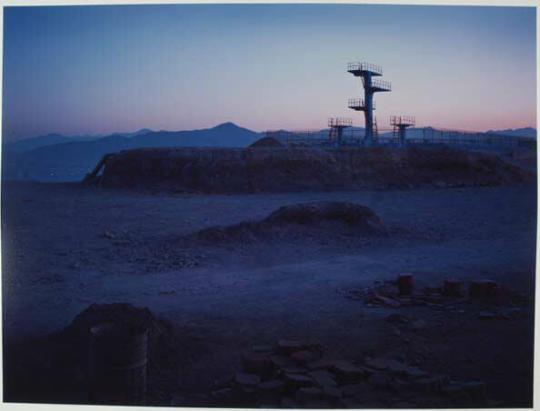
x,y
101,69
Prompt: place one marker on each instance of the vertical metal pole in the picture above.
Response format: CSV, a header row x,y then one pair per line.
x,y
402,136
368,101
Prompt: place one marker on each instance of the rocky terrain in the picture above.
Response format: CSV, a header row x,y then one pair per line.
x,y
313,266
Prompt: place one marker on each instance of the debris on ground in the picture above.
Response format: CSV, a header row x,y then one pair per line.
x,y
400,293
324,383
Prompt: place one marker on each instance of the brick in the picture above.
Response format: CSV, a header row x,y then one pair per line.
x,y
379,298
418,325
281,361
347,371
433,384
397,319
476,390
321,365
271,386
349,403
294,370
289,403
222,394
414,373
304,356
378,380
332,392
405,284
452,288
262,349
259,364
354,390
384,364
488,292
318,404
288,347
245,379
306,394
323,378
297,380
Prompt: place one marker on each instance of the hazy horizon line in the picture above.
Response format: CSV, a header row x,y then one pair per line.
x,y
110,133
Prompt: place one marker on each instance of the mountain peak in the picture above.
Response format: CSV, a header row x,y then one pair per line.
x,y
228,124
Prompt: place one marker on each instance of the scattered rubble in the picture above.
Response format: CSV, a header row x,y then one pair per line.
x,y
400,293
270,379
451,288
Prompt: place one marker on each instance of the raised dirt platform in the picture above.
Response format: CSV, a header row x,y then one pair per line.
x,y
281,169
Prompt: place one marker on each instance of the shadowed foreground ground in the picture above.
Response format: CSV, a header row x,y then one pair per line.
x,y
66,247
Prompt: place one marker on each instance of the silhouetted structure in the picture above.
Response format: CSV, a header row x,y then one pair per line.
x,y
337,125
400,124
367,71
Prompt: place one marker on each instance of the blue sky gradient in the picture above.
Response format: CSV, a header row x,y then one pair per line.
x,y
101,69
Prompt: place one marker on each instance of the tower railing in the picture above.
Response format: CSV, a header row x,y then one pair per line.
x,y
358,104
364,66
402,121
339,122
381,85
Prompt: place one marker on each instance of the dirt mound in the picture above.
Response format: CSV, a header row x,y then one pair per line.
x,y
282,169
266,142
301,220
315,213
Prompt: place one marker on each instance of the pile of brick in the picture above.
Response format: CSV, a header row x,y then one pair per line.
x,y
401,293
294,374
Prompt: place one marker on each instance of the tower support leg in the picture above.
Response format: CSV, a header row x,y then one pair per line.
x,y
368,112
402,131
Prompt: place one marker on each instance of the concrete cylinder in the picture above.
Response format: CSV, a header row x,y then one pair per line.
x,y
405,284
452,288
117,364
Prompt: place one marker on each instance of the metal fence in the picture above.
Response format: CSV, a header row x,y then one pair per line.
x,y
420,136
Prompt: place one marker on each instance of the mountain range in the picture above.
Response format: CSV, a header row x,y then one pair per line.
x,y
54,157
58,158
516,132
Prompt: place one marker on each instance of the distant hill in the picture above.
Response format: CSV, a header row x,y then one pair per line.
x,y
54,157
42,141
516,132
66,159
54,138
135,133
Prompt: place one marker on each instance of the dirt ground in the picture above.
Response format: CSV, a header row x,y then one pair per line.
x,y
65,246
